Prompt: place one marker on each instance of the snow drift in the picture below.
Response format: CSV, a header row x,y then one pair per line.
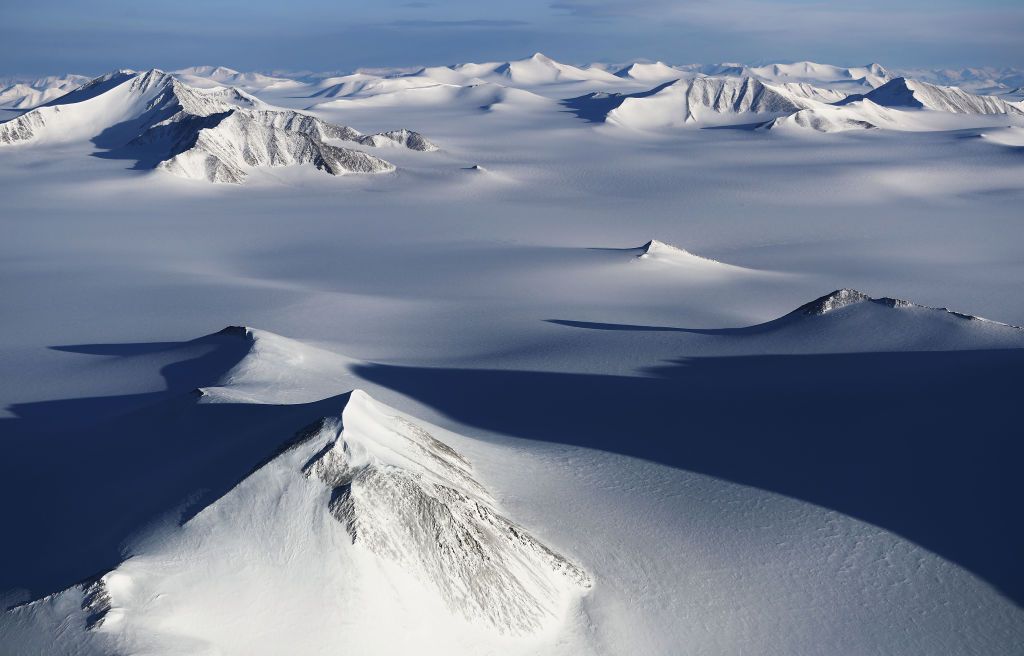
x,y
661,253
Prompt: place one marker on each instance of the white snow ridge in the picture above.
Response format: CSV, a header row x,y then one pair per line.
x,y
902,92
379,523
216,134
410,498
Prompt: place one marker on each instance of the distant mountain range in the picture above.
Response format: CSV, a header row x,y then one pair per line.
x,y
216,124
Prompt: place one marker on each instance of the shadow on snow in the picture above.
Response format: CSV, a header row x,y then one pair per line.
x,y
924,444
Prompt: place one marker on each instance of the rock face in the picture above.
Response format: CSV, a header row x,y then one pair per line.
x,y
434,519
845,297
829,302
241,139
408,138
215,134
386,516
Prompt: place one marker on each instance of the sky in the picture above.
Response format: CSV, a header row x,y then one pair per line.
x,y
94,36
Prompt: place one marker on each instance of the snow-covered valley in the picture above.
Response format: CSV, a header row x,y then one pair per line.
x,y
558,359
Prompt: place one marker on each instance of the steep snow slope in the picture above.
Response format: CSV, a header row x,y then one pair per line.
x,y
731,492
373,530
811,92
224,150
109,101
212,134
370,530
902,92
705,101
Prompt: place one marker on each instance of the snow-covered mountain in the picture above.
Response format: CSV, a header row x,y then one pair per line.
x,y
212,133
858,115
598,413
847,320
871,76
363,520
902,92
204,76
26,94
985,80
290,517
534,71
651,73
648,96
704,101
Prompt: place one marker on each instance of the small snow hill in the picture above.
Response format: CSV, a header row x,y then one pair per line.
x,y
535,71
651,73
849,321
660,254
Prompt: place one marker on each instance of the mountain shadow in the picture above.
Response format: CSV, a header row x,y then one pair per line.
x,y
924,444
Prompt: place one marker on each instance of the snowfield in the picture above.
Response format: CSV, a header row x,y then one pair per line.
x,y
549,363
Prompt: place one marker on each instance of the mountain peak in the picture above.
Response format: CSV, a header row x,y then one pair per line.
x,y
840,298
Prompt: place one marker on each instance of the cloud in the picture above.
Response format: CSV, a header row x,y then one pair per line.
x,y
872,21
477,22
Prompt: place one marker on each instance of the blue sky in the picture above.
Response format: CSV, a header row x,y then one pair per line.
x,y
44,36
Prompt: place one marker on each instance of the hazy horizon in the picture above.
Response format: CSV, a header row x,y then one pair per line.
x,y
49,37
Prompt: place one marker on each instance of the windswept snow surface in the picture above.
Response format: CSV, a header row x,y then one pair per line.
x,y
598,310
